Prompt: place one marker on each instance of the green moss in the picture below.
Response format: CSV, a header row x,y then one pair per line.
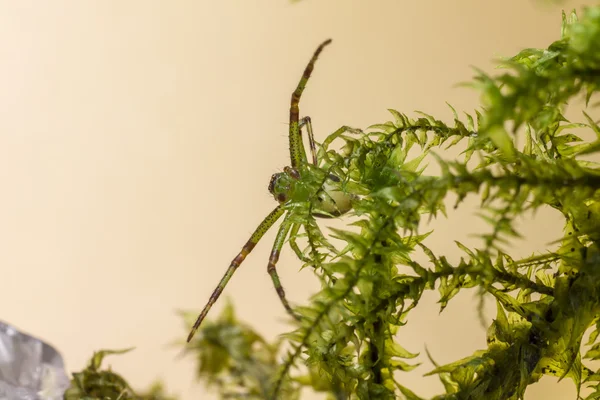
x,y
345,343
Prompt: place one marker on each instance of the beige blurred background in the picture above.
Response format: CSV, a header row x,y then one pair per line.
x,y
137,139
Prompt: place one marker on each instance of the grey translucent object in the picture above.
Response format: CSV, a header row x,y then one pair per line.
x,y
29,368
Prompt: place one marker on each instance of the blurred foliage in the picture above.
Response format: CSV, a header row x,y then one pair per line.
x,y
94,383
520,154
232,357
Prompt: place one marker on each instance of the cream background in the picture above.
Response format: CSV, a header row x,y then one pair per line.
x,y
137,139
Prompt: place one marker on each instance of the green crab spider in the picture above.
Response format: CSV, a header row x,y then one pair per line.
x,y
288,187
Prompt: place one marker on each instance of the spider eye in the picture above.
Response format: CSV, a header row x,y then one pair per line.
x,y
281,197
272,183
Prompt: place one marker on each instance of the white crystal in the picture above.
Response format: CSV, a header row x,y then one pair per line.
x,y
30,369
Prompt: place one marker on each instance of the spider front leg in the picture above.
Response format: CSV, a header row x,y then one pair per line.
x,y
282,234
339,132
311,139
260,231
297,153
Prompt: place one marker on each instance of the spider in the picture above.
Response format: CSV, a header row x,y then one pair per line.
x,y
290,187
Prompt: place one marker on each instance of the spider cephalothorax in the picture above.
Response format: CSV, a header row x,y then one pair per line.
x,y
302,182
282,184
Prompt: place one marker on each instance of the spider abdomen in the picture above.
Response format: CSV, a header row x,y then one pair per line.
x,y
331,201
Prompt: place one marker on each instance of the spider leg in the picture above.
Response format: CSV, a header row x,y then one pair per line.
x,y
294,244
339,132
264,226
311,139
284,229
297,152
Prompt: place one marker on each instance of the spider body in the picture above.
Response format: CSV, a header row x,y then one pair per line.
x,y
301,186
328,201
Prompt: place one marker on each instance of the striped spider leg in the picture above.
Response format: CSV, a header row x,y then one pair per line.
x,y
284,187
